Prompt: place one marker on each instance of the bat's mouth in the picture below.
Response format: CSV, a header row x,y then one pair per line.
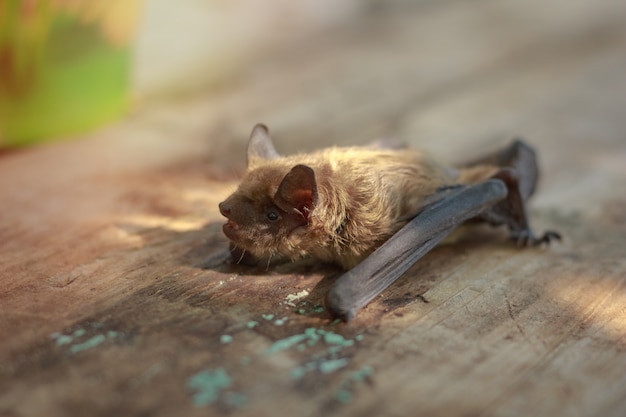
x,y
230,229
231,225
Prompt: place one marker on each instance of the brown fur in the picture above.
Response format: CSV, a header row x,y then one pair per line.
x,y
363,197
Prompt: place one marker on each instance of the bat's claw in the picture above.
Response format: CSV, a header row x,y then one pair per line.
x,y
527,238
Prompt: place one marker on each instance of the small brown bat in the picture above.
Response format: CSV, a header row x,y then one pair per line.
x,y
373,210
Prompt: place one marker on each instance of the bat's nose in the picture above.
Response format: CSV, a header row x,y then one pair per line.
x,y
224,208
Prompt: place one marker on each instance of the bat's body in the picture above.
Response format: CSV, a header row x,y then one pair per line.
x,y
340,204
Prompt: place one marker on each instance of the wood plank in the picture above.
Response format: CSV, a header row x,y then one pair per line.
x,y
114,298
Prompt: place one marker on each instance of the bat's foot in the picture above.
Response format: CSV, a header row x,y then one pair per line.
x,y
527,238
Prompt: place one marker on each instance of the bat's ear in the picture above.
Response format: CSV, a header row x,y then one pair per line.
x,y
260,146
298,191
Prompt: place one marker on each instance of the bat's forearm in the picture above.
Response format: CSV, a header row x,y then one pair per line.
x,y
357,287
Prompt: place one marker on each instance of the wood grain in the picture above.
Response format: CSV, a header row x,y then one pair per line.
x,y
115,298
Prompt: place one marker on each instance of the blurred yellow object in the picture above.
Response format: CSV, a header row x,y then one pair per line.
x,y
64,66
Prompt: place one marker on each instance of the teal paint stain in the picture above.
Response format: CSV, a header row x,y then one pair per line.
x,y
71,339
344,396
331,338
325,362
286,343
298,373
311,337
361,374
280,322
79,333
252,324
333,365
317,308
208,384
345,393
312,333
325,366
93,342
301,371
226,339
64,340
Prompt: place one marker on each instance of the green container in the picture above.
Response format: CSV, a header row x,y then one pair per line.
x,y
64,68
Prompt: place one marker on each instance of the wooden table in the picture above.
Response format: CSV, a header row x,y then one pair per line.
x,y
115,298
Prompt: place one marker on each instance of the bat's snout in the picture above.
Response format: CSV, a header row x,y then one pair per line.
x,y
231,228
225,209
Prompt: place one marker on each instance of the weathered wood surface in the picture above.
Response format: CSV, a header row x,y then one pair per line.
x,y
113,293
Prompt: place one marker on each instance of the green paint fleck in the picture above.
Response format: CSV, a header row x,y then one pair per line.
x,y
226,339
301,311
55,335
112,334
331,338
343,396
327,367
361,374
333,350
359,337
268,317
93,342
64,340
208,385
286,343
79,333
317,308
252,324
298,373
280,322
311,332
301,371
345,392
301,347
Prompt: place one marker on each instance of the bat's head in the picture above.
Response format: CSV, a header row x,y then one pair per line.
x,y
270,211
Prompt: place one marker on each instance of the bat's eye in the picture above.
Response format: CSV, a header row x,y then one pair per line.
x,y
272,216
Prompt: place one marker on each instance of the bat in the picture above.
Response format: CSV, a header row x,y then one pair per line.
x,y
372,210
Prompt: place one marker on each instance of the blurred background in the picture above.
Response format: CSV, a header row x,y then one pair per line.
x,y
340,71
67,66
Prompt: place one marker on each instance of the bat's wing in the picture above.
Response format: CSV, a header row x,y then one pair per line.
x,y
518,156
517,167
357,287
509,180
497,200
